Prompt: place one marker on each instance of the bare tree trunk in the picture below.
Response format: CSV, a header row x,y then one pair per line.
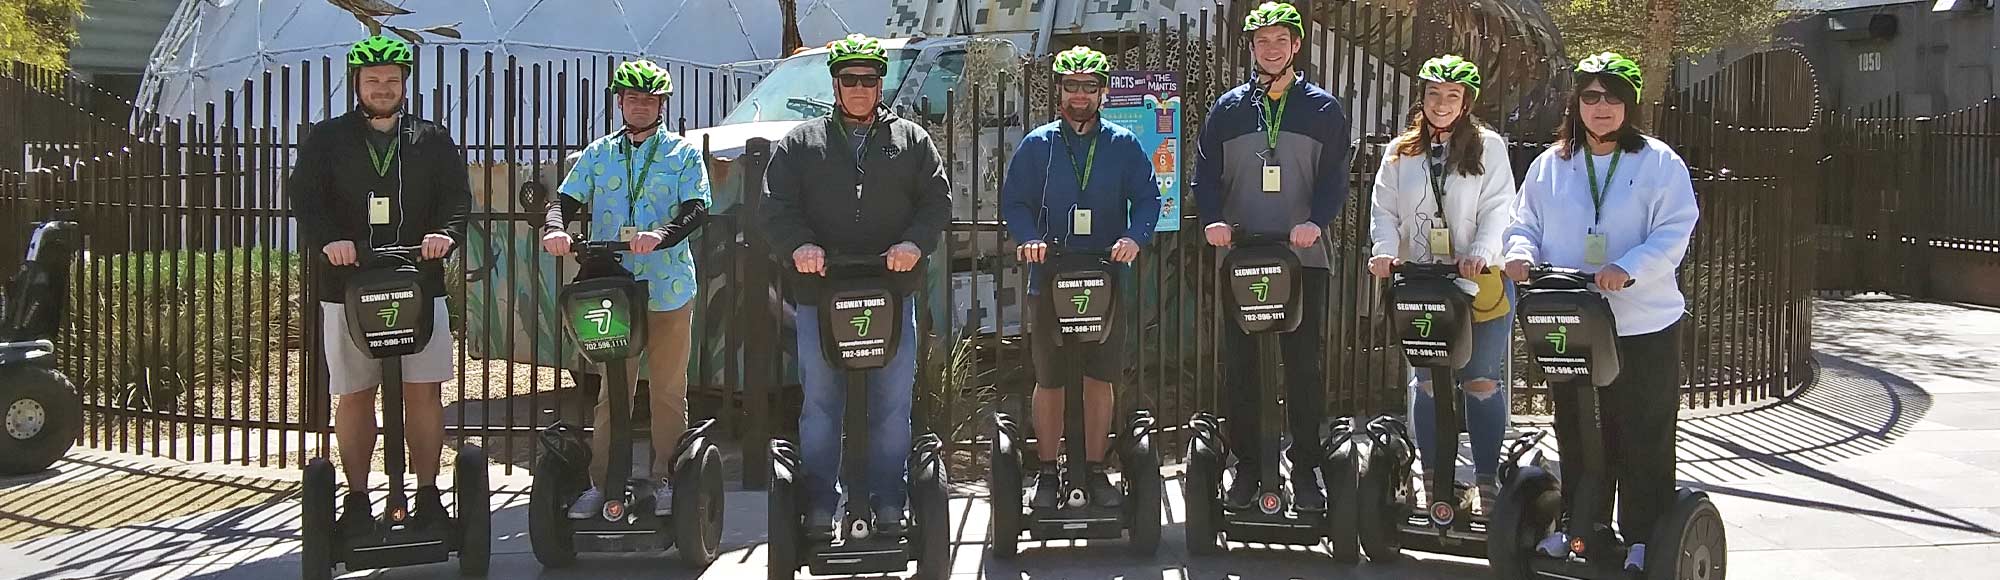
x,y
789,9
1656,54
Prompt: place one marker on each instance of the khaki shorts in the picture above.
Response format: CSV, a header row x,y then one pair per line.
x,y
351,371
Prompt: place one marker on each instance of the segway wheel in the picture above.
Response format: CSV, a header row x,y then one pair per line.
x,y
1342,473
44,416
317,527
1201,492
1144,489
475,512
1004,482
786,514
548,524
1526,511
931,500
1379,510
1689,543
698,508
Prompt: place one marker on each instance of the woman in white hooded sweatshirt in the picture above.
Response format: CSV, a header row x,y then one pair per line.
x,y
1611,200
1445,195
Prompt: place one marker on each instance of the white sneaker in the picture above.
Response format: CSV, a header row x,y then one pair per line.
x,y
663,499
587,505
1554,546
1635,559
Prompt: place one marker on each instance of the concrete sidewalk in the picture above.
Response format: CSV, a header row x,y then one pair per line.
x,y
1886,467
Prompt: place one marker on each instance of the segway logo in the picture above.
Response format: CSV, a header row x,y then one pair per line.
x,y
1423,325
1560,339
390,313
1442,514
1082,301
863,321
1269,503
600,316
1262,288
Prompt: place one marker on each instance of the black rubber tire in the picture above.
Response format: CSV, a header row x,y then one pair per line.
x,y
1525,511
1341,470
932,500
316,526
785,517
549,531
475,512
698,507
1201,494
1377,510
1142,469
1003,481
62,417
1690,543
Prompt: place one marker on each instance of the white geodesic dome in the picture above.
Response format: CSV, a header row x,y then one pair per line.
x,y
213,46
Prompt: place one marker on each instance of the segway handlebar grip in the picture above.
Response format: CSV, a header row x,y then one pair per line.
x,y
1421,270
1537,274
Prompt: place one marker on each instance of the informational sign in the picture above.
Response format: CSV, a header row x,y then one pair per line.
x,y
1149,104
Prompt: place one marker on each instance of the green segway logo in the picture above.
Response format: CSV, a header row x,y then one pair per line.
x,y
599,323
1262,288
600,316
1560,339
1423,325
863,321
390,313
1082,301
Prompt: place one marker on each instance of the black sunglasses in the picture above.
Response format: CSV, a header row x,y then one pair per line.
x,y
851,81
1069,86
1595,97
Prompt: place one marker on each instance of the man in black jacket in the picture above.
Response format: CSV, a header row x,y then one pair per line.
x,y
859,181
379,177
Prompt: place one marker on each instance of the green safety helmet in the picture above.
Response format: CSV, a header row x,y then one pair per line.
x,y
380,50
1452,68
643,76
857,49
1082,60
1274,14
1614,64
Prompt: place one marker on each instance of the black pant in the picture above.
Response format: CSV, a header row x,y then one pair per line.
x,y
1637,417
1305,390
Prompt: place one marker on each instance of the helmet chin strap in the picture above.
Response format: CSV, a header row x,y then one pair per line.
x,y
630,128
852,117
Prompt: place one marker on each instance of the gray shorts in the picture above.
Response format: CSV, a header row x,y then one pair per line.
x,y
351,371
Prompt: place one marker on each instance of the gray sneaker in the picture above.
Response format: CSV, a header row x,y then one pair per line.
x,y
1635,559
587,505
663,499
1554,546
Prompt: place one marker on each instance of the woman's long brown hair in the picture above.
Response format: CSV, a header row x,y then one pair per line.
x,y
1466,151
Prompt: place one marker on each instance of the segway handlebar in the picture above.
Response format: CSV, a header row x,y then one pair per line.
x,y
602,247
1537,274
1238,237
1426,270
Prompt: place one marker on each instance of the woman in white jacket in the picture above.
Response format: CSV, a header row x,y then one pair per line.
x,y
1625,208
1444,194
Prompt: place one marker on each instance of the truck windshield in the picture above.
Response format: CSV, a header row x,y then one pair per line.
x,y
800,89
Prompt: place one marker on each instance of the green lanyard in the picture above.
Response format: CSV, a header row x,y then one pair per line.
x,y
382,158
1274,119
1089,162
637,184
1596,193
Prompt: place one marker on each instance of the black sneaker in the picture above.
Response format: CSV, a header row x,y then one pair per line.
x,y
819,528
430,507
1047,492
889,527
1307,495
356,516
1242,490
1102,492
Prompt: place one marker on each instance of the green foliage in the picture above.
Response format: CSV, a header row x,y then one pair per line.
x,y
954,397
1593,26
39,32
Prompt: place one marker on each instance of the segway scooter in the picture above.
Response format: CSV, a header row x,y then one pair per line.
x,y
1266,293
859,322
1081,287
1432,316
1574,337
389,317
604,312
44,411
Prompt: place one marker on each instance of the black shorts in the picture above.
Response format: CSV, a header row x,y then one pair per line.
x,y
1104,362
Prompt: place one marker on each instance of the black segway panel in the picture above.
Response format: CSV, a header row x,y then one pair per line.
x,y
1081,294
1265,288
1431,316
1571,331
605,317
858,325
388,314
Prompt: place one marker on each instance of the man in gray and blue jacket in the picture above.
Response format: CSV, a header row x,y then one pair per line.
x,y
1273,160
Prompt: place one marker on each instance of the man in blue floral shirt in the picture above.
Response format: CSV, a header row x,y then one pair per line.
x,y
649,187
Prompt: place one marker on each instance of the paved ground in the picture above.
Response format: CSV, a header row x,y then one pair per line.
x,y
1887,467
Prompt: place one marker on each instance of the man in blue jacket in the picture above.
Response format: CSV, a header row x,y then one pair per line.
x,y
1273,160
1100,195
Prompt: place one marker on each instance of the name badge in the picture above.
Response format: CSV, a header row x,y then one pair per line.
x,y
1080,223
1594,249
1273,178
625,234
1441,242
378,210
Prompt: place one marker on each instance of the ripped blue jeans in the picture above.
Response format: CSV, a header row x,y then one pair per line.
x,y
1485,418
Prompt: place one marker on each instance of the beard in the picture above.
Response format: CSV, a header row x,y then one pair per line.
x,y
368,105
1079,114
